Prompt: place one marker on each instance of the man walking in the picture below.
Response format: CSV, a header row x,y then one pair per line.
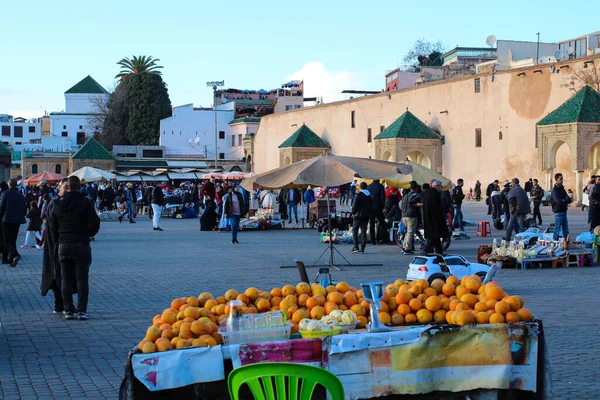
x,y
458,195
352,192
434,218
12,214
488,193
537,194
361,210
409,217
309,198
73,222
195,198
157,202
560,203
378,195
519,207
128,197
208,189
293,199
594,198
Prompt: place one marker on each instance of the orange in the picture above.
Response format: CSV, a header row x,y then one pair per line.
x,y
193,301
231,295
142,343
335,297
422,297
148,348
423,283
453,280
243,298
221,300
472,284
403,297
524,314
512,317
449,315
210,303
433,304
410,318
321,299
292,298
469,299
299,315
520,300
415,290
302,299
429,292
330,289
448,289
461,291
152,334
168,334
252,293
183,343
397,319
265,295
198,343
156,318
189,319
491,303
302,288
496,318
480,306
392,290
424,316
263,305
446,304
404,309
502,307
453,304
293,308
330,306
385,318
210,342
398,282
202,297
415,304
201,328
384,306
311,302
176,304
275,301
494,293
276,292
350,299
358,310
287,290
482,317
392,305
462,307
437,285
439,316
191,312
286,304
514,303
175,340
163,327
318,289
465,318
317,312
163,344
359,294
362,321
342,287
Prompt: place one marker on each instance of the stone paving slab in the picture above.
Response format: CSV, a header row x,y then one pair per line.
x,y
137,272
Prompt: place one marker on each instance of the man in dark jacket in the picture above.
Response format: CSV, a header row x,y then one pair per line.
x,y
12,213
74,221
519,208
195,198
488,193
157,202
560,204
294,197
408,206
378,195
537,194
109,197
458,196
361,210
594,198
434,218
148,199
208,189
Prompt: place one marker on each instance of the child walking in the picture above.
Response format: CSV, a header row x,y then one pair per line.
x,y
35,225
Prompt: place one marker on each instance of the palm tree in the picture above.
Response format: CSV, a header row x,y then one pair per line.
x,y
138,65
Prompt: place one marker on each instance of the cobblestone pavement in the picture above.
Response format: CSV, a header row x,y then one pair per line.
x,y
137,272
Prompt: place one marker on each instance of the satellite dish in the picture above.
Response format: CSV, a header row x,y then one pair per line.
x,y
224,100
190,140
558,54
197,140
491,40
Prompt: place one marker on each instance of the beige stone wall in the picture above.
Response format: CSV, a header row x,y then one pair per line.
x,y
106,165
47,164
290,155
511,104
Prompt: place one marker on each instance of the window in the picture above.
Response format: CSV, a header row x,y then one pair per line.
x,y
580,48
232,140
17,143
64,127
478,137
151,153
80,138
18,131
297,106
288,108
477,85
381,128
352,121
500,135
32,129
221,134
64,134
222,156
34,169
6,131
240,139
58,169
80,126
369,138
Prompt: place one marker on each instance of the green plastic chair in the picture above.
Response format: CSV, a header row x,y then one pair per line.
x,y
300,378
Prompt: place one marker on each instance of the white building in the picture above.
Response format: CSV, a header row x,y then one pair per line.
x,y
16,131
76,121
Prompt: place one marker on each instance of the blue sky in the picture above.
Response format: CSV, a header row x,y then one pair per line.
x,y
333,45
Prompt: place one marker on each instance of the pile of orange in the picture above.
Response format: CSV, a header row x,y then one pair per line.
x,y
194,321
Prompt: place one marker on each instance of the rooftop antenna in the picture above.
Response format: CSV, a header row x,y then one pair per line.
x,y
491,40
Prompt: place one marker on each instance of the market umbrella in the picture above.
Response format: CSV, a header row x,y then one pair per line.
x,y
325,170
91,174
420,173
49,177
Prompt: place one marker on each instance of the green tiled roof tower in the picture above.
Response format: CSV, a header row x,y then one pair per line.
x,y
87,85
408,127
4,149
304,137
92,150
583,107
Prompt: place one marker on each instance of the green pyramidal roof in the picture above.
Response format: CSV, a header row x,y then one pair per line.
x,y
583,107
304,137
408,127
92,150
87,86
4,149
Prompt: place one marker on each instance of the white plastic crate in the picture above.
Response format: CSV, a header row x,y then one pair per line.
x,y
255,335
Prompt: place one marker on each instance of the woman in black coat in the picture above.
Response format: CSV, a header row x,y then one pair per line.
x,y
208,220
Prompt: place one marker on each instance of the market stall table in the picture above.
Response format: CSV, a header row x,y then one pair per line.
x,y
411,360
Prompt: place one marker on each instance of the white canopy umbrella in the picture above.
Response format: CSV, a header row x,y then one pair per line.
x,y
91,174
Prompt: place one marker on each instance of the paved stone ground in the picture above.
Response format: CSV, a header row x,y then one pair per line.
x,y
137,272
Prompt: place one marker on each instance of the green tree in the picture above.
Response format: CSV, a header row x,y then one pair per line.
x,y
137,65
424,53
114,117
148,103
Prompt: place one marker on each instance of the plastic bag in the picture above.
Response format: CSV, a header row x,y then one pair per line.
x,y
401,228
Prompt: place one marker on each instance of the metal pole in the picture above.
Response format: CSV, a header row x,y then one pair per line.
x,y
331,263
537,55
216,132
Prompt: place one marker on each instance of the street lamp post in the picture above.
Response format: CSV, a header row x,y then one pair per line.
x,y
215,85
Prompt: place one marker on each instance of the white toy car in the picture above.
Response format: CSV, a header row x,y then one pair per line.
x,y
531,236
434,267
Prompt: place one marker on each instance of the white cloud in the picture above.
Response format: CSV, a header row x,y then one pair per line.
x,y
320,82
